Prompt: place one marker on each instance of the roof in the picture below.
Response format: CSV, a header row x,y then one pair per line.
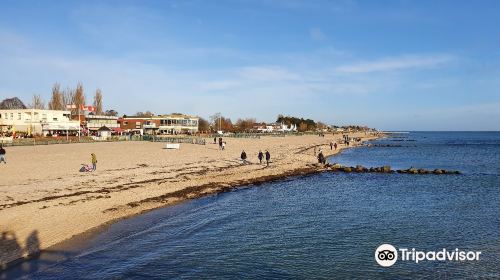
x,y
104,128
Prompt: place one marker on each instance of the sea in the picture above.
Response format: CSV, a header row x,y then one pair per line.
x,y
322,226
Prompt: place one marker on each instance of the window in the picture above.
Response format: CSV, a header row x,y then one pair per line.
x,y
125,122
19,116
54,119
11,116
0,116
44,117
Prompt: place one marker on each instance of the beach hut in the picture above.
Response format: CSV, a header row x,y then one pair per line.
x,y
104,132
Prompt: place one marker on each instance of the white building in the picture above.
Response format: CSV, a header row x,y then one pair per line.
x,y
37,121
94,122
276,127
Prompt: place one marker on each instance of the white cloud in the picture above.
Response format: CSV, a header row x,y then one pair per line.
x,y
267,73
398,63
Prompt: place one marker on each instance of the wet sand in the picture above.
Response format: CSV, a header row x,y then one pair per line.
x,y
44,200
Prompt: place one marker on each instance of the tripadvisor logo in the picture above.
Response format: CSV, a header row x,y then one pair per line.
x,y
386,255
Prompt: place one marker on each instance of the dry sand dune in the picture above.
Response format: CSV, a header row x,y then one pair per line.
x,y
45,200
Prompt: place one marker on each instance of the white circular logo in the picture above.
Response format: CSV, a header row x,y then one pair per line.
x,y
386,255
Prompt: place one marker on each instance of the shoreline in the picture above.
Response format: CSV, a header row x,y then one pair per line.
x,y
194,183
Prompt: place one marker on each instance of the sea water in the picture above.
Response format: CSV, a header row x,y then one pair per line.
x,y
323,226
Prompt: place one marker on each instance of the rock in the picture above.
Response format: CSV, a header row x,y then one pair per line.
x,y
378,169
437,171
336,165
347,169
413,170
422,171
386,169
359,168
372,169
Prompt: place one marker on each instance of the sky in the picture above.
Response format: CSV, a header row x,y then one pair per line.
x,y
392,65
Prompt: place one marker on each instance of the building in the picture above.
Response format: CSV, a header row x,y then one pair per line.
x,y
37,121
161,124
274,127
95,122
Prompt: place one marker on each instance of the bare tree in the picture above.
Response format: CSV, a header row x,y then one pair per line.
x,y
56,100
144,114
98,102
67,98
203,125
37,102
79,97
245,125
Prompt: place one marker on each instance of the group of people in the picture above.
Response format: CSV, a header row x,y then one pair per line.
x,y
222,144
333,145
260,156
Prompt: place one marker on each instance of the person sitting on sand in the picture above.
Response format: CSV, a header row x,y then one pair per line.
x,y
2,155
268,157
244,157
94,161
260,156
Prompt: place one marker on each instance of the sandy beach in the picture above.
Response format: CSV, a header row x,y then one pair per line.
x,y
44,199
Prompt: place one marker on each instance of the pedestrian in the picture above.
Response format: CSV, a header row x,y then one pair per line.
x,y
331,145
215,140
220,143
244,157
268,157
335,145
314,150
321,158
223,145
2,155
260,156
94,161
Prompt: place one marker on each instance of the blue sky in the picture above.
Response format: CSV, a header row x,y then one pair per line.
x,y
395,65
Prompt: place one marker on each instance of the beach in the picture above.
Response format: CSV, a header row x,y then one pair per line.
x,y
44,199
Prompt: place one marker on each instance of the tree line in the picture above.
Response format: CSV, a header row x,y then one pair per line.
x,y
70,96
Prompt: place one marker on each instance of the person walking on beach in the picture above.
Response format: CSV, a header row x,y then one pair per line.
x,y
268,157
2,155
260,156
335,145
223,145
244,157
94,161
215,140
321,158
220,143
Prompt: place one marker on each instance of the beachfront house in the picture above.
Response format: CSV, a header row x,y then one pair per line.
x,y
274,127
37,121
160,125
95,122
